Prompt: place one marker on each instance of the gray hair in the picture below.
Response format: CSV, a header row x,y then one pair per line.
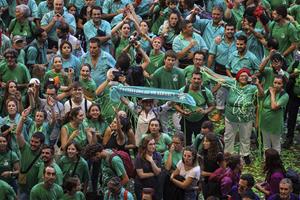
x,y
24,9
287,181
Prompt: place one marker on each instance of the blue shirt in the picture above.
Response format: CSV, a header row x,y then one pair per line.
x,y
37,54
109,196
208,30
43,9
144,7
112,6
98,72
253,44
249,60
180,43
70,20
78,3
145,44
90,31
222,51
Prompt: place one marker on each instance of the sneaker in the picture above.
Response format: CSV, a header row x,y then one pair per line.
x,y
247,160
287,144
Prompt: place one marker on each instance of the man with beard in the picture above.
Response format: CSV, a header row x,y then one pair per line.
x,y
100,61
194,116
99,28
244,187
241,58
254,35
186,43
47,189
29,162
210,28
198,62
12,70
48,160
284,32
221,49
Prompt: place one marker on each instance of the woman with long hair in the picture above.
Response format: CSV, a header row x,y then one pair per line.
x,y
73,165
210,149
11,91
170,29
9,164
189,172
87,82
74,130
162,140
274,170
148,168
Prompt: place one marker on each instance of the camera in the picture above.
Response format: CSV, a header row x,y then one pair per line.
x,y
133,38
117,75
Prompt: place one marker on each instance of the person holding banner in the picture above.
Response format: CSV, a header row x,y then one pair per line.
x,y
194,116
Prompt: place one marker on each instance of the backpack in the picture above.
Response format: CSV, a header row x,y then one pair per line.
x,y
85,105
125,194
203,92
127,162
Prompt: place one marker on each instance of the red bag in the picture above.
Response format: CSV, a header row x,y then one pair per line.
x,y
127,162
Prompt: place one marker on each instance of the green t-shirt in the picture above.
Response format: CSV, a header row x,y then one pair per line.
x,y
39,192
110,170
63,80
7,161
200,103
20,73
188,73
6,191
295,12
269,116
240,103
27,156
81,139
27,30
276,3
176,157
77,196
156,61
162,144
269,75
89,87
67,167
285,35
59,174
173,79
99,127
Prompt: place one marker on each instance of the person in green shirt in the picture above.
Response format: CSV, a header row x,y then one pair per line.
x,y
276,68
194,116
30,162
87,82
10,69
273,108
156,59
57,74
6,191
47,157
169,77
47,189
111,167
174,154
198,62
162,140
9,163
72,189
73,165
284,32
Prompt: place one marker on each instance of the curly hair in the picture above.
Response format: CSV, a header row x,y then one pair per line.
x,y
91,150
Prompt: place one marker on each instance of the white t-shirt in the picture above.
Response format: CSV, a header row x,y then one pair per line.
x,y
74,105
194,173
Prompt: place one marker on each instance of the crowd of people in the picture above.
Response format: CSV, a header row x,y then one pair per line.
x,y
64,136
